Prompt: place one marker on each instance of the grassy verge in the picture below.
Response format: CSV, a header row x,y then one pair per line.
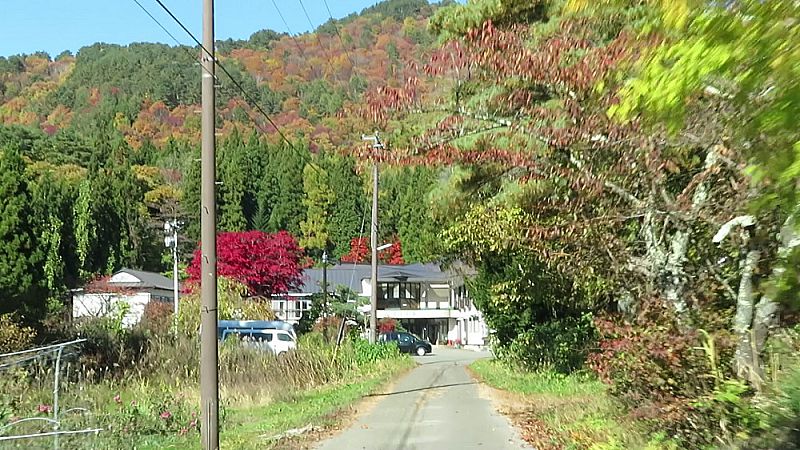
x,y
323,407
253,426
152,402
555,411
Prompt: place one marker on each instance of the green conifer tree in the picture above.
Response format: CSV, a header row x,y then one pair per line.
x,y
16,235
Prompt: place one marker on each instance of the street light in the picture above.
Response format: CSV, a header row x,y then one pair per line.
x,y
171,228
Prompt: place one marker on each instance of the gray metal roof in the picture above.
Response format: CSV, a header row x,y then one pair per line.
x,y
350,276
149,279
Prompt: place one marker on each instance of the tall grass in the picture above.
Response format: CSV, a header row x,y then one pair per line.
x,y
151,390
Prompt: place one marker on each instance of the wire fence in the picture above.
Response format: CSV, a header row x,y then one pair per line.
x,y
40,355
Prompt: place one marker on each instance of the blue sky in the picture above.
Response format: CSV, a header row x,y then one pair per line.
x,y
28,26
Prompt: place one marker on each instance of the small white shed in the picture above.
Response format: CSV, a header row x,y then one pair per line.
x,y
125,292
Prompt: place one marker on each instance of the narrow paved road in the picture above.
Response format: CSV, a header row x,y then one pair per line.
x,y
435,406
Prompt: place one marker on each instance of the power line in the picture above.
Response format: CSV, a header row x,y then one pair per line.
x,y
319,41
238,85
286,24
178,42
341,41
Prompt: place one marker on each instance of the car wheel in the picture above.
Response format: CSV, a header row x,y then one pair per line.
x,y
421,351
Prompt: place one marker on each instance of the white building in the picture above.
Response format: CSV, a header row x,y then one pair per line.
x,y
430,302
126,292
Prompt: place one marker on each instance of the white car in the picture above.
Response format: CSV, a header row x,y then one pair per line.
x,y
276,341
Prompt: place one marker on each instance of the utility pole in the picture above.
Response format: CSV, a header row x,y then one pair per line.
x,y
171,228
209,381
373,318
325,282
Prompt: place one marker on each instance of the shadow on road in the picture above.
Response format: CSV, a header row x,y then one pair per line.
x,y
422,362
422,389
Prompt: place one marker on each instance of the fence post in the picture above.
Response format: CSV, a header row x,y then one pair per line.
x,y
55,396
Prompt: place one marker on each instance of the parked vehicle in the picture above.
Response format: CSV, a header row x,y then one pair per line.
x,y
275,336
407,342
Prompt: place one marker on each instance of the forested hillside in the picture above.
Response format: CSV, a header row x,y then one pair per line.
x,y
622,174
103,146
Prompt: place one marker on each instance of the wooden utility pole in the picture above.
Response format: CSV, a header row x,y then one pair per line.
x,y
373,318
209,381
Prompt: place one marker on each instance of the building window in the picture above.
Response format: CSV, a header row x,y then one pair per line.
x,y
398,295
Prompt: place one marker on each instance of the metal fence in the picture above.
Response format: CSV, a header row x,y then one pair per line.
x,y
34,355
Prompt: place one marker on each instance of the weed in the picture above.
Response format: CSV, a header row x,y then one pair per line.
x,y
575,410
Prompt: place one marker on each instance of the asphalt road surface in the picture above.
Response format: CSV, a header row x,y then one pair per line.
x,y
435,406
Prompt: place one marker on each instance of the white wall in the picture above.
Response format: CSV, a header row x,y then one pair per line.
x,y
102,305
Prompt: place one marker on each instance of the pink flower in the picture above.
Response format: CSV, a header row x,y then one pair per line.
x,y
193,423
183,431
42,408
118,399
166,415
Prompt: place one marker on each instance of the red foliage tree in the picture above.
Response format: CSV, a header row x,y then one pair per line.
x,y
393,255
266,263
359,251
387,325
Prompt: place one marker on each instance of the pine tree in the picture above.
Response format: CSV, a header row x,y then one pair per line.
x,y
190,200
232,173
256,157
348,211
16,235
267,189
318,200
288,210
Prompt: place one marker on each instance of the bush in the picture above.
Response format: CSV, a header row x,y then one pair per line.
x,y
232,304
387,325
13,336
675,379
560,345
366,353
110,350
157,317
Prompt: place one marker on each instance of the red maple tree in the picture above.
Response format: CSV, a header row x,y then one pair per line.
x,y
266,263
360,252
392,255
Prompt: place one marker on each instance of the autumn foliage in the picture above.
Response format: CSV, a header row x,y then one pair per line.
x,y
360,252
387,325
266,263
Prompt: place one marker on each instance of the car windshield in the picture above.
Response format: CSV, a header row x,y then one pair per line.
x,y
284,337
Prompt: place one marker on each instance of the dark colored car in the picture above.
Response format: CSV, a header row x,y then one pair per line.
x,y
407,342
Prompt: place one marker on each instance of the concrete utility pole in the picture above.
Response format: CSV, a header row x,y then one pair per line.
x,y
171,228
209,382
373,318
325,282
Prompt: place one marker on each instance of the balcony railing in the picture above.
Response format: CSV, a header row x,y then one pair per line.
x,y
398,303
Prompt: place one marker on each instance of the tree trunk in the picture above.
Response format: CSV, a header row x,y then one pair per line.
x,y
674,275
746,359
766,311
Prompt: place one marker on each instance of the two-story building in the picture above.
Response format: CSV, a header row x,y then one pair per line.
x,y
425,299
